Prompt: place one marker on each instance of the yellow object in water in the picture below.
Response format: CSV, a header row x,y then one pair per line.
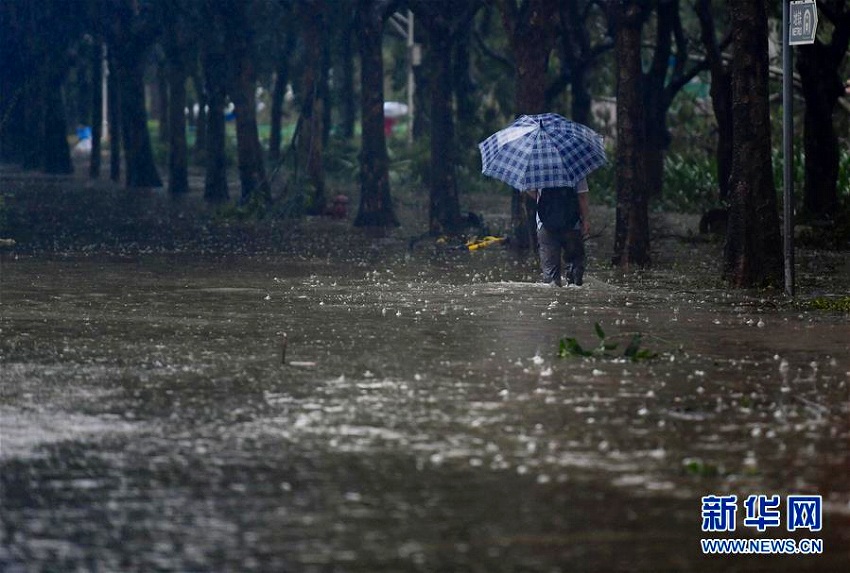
x,y
477,243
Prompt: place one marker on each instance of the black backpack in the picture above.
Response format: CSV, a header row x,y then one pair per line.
x,y
557,208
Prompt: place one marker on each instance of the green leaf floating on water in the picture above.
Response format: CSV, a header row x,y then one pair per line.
x,y
570,347
599,332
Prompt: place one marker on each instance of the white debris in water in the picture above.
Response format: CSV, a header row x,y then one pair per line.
x,y
760,323
597,372
537,359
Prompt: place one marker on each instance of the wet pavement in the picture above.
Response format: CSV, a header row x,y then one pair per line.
x,y
422,420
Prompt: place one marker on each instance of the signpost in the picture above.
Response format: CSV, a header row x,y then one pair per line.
x,y
799,26
803,22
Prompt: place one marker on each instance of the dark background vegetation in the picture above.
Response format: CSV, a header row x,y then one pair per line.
x,y
273,107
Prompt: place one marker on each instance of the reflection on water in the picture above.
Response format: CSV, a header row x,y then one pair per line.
x,y
422,421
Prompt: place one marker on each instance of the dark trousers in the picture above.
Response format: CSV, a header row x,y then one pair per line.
x,y
552,244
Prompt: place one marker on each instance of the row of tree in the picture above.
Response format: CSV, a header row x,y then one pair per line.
x,y
643,52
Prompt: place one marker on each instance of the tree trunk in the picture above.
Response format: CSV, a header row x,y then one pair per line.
x,y
14,73
281,81
32,138
376,207
140,170
252,171
113,110
657,98
531,34
199,150
57,155
162,106
721,96
631,236
215,180
178,153
821,90
96,104
753,250
310,148
347,97
444,212
576,60
819,66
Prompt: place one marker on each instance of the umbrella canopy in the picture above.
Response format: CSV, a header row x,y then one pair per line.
x,y
540,151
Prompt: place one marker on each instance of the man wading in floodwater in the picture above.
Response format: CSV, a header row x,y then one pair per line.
x,y
562,225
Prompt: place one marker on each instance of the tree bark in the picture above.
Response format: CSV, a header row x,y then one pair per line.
x,y
178,152
96,104
199,149
113,110
281,82
530,26
347,96
243,89
310,141
444,210
631,236
376,206
215,179
753,249
140,170
721,96
819,66
658,97
57,155
177,50
161,107
132,33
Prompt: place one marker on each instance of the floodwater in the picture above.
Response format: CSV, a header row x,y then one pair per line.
x,y
418,418
332,402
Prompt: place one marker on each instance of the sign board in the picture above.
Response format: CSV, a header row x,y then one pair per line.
x,y
803,23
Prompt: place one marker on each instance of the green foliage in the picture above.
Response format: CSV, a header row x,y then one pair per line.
x,y
569,347
700,468
690,183
841,304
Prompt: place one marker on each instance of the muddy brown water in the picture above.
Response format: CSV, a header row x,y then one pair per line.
x,y
422,420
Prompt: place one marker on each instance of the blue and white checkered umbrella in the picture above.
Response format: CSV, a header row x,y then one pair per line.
x,y
540,151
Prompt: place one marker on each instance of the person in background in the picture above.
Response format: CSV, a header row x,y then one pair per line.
x,y
563,223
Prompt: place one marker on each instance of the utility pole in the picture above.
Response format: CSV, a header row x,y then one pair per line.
x,y
788,147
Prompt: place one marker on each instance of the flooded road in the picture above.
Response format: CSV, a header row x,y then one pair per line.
x,y
422,420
